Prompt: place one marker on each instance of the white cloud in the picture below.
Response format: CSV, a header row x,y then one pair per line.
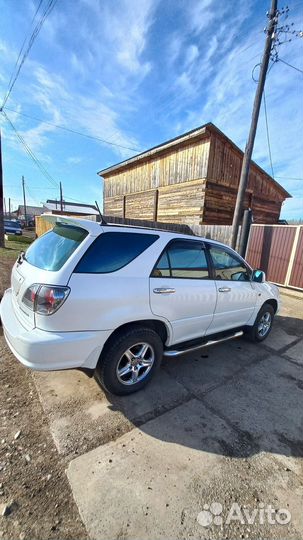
x,y
191,55
74,160
200,15
126,28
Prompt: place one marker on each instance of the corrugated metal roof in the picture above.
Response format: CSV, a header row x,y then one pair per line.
x,y
75,208
31,210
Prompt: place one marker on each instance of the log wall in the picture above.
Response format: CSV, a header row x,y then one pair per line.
x,y
223,176
178,203
174,167
192,182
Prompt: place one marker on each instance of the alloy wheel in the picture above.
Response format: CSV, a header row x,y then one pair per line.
x,y
264,324
135,363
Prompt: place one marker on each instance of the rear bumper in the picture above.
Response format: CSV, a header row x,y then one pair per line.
x,y
47,351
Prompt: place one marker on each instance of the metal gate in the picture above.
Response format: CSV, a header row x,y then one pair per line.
x,y
278,250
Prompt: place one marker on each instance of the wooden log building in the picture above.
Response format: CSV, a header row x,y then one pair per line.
x,y
191,179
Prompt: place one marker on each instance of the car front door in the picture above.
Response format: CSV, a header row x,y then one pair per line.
x,y
181,289
237,295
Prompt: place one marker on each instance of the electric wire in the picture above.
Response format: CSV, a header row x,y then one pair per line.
x,y
23,45
31,154
290,65
73,131
34,34
267,134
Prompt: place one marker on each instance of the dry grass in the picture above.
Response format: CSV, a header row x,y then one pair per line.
x,y
8,256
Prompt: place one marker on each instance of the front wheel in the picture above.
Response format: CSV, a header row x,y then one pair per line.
x,y
263,324
129,362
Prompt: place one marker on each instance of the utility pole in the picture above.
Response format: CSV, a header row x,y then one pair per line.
x,y
9,208
254,122
1,199
61,198
24,201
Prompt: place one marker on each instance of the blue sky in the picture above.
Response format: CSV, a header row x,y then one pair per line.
x,y
136,73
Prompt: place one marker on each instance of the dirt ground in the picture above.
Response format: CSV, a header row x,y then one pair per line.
x,y
34,491
32,476
224,425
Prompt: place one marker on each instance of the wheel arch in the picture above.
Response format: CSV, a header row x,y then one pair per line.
x,y
155,324
272,302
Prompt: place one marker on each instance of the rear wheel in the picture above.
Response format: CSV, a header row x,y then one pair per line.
x,y
263,324
129,361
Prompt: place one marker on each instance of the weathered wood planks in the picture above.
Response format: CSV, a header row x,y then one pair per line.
x,y
194,181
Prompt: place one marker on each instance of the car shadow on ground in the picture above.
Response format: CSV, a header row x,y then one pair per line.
x,y
238,399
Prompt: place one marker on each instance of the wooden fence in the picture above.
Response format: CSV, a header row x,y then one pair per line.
x,y
278,250
42,225
221,233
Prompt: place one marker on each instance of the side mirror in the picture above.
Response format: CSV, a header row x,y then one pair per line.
x,y
258,276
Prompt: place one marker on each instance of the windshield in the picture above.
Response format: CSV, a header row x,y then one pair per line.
x,y
51,251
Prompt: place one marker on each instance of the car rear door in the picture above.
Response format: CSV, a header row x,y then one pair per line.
x,y
181,289
237,295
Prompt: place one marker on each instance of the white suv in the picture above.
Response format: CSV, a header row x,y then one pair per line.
x,y
112,300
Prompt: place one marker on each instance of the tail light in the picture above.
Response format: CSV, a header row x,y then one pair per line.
x,y
45,299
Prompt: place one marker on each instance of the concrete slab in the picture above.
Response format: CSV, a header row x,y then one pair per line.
x,y
154,482
204,370
82,416
144,484
296,352
265,402
290,317
279,338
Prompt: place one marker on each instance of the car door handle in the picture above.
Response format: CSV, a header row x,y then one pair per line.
x,y
164,290
224,289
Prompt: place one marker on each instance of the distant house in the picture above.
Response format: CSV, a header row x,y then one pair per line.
x,y
31,212
70,208
192,179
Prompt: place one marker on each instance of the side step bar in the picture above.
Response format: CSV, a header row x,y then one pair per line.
x,y
179,352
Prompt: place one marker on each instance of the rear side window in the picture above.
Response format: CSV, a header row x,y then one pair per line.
x,y
51,251
182,259
113,250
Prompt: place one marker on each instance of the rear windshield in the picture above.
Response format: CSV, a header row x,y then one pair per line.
x,y
12,224
51,251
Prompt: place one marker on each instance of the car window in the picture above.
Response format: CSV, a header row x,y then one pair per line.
x,y
112,251
162,269
182,259
51,250
11,224
228,266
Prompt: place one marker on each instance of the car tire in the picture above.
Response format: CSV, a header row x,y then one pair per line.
x,y
263,324
129,361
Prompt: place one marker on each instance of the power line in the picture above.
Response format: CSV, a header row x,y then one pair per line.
x,y
74,131
32,187
290,65
31,154
267,134
34,34
23,44
289,178
31,196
